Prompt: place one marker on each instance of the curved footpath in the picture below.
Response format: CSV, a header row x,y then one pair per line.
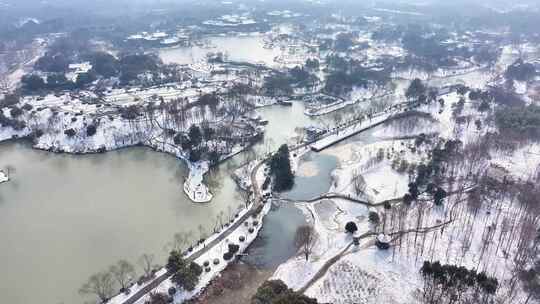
x,y
396,235
322,271
257,201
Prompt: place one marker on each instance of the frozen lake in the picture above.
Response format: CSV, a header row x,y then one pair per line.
x,y
238,48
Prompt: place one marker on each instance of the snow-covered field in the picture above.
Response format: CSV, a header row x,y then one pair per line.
x,y
458,233
3,177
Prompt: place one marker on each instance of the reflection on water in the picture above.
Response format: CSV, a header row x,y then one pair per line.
x,y
310,186
275,243
282,124
64,217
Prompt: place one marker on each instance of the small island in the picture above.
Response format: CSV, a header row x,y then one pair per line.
x,y
3,177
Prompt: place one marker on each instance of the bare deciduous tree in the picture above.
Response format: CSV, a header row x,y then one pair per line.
x,y
180,240
146,261
123,272
100,284
305,240
359,183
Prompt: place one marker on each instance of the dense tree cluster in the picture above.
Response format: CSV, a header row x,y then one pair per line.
x,y
428,176
416,89
351,227
280,169
345,74
185,275
531,280
11,122
519,121
301,77
453,284
159,298
340,83
278,85
520,70
56,63
343,42
128,68
276,292
312,64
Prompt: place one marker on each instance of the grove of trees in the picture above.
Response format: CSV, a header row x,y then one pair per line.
x,y
277,292
184,274
453,284
280,169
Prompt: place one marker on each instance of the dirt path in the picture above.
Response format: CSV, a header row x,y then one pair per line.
x,y
322,271
237,284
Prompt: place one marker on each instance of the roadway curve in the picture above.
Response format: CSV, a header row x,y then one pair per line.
x,y
257,202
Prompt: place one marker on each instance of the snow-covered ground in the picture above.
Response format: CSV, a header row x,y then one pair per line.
x,y
3,177
359,94
473,238
354,128
194,186
212,255
331,240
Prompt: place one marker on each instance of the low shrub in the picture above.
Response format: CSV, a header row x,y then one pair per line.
x,y
233,248
374,217
242,238
91,130
27,107
15,112
351,227
171,291
227,256
70,132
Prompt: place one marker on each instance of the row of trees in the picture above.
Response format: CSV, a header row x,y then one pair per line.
x,y
53,82
519,122
120,275
454,285
345,74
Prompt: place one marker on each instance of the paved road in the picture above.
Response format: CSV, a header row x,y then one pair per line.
x,y
257,203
